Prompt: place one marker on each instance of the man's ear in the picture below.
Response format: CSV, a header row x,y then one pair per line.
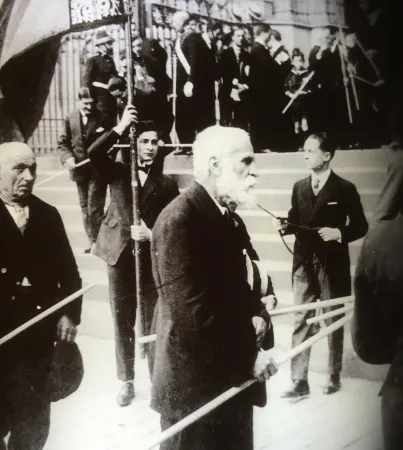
x,y
215,166
328,157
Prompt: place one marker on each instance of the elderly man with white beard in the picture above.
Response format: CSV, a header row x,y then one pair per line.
x,y
210,325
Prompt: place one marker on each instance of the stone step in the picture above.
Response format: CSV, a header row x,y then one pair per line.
x,y
256,221
350,158
272,178
271,199
280,273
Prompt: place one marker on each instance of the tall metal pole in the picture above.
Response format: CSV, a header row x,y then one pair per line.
x,y
134,178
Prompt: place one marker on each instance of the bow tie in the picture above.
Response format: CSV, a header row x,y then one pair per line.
x,y
145,169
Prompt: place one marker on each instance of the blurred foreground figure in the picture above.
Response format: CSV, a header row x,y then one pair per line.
x,y
378,319
210,323
37,270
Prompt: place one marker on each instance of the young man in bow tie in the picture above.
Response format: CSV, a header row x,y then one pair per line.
x,y
37,270
325,216
81,129
114,244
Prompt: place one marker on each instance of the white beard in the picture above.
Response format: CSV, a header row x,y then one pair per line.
x,y
233,190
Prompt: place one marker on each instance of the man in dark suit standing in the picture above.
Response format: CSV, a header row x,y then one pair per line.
x,y
234,66
100,68
210,325
322,205
262,70
81,129
37,270
114,243
281,126
196,77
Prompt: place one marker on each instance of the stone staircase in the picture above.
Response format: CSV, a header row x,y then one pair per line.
x,y
277,174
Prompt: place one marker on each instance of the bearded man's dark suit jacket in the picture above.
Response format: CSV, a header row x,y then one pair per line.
x,y
196,113
114,244
42,255
74,143
321,270
377,328
233,113
262,91
206,342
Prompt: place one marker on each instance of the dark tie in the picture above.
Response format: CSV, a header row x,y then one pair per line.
x,y
145,169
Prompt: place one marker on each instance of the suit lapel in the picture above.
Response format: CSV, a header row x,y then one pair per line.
x,y
92,123
76,123
8,223
149,187
306,194
328,190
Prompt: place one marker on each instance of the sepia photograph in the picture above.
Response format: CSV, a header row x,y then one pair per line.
x,y
201,225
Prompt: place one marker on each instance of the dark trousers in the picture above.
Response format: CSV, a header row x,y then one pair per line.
x,y
310,283
92,194
24,408
234,114
234,433
122,295
193,115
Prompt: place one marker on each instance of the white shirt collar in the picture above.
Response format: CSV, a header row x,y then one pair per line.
x,y
322,177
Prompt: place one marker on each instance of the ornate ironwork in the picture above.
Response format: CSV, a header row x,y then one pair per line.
x,y
84,12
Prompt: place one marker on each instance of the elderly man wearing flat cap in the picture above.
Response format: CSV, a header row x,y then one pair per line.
x,y
37,270
100,68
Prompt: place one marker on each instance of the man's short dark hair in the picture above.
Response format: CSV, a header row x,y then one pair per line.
x,y
297,53
117,84
84,93
277,35
326,143
261,28
145,126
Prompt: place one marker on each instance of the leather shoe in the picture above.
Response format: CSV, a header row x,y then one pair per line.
x,y
299,388
333,385
126,394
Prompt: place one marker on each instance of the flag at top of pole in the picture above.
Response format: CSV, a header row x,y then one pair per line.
x,y
30,36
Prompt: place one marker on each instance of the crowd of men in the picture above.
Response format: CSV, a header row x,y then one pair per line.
x,y
278,95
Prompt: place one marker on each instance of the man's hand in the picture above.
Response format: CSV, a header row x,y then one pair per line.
x,y
270,302
188,89
260,328
330,234
70,163
129,118
66,330
264,369
280,224
371,53
140,233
